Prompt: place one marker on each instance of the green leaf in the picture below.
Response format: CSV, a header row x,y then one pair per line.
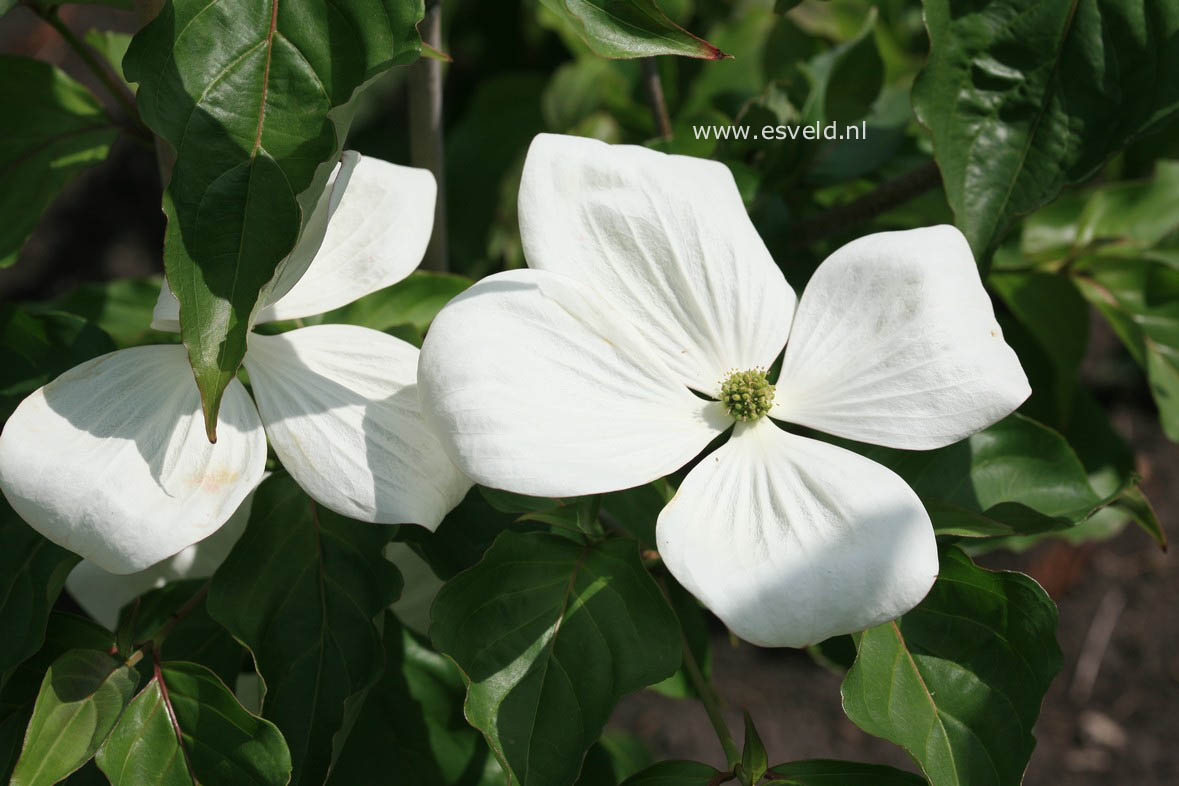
x,y
32,573
257,120
754,761
186,728
122,308
1024,99
630,28
82,696
301,590
846,80
1055,315
63,633
197,637
1016,477
1140,299
112,45
51,130
414,301
693,621
958,681
826,772
549,634
463,536
676,773
36,346
414,716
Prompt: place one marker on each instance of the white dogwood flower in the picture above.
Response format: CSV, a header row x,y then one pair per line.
x,y
643,331
111,461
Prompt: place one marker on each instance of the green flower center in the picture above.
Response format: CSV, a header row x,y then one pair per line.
x,y
747,395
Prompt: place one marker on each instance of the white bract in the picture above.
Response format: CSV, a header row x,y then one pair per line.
x,y
649,285
110,460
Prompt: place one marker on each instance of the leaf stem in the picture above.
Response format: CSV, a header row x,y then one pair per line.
x,y
119,93
883,198
425,129
654,89
712,705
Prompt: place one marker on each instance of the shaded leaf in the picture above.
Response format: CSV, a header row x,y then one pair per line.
x,y
301,590
51,130
630,28
187,728
549,634
32,573
257,120
958,681
1016,477
197,637
414,715
414,301
63,632
81,698
1025,99
122,308
826,772
676,773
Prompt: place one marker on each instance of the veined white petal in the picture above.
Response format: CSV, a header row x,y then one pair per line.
x,y
312,244
534,385
376,237
340,404
790,540
895,343
110,460
292,269
102,595
667,241
421,584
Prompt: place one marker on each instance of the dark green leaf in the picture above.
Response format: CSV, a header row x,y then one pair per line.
x,y
847,79
1017,477
414,716
676,773
1023,99
81,698
36,346
630,28
1051,338
63,633
693,621
549,634
958,681
825,772
754,760
32,573
122,308
835,654
257,120
301,589
51,129
463,536
197,637
187,728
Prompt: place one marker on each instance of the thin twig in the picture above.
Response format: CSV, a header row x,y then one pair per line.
x,y
1096,643
883,198
712,705
654,89
425,129
119,93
